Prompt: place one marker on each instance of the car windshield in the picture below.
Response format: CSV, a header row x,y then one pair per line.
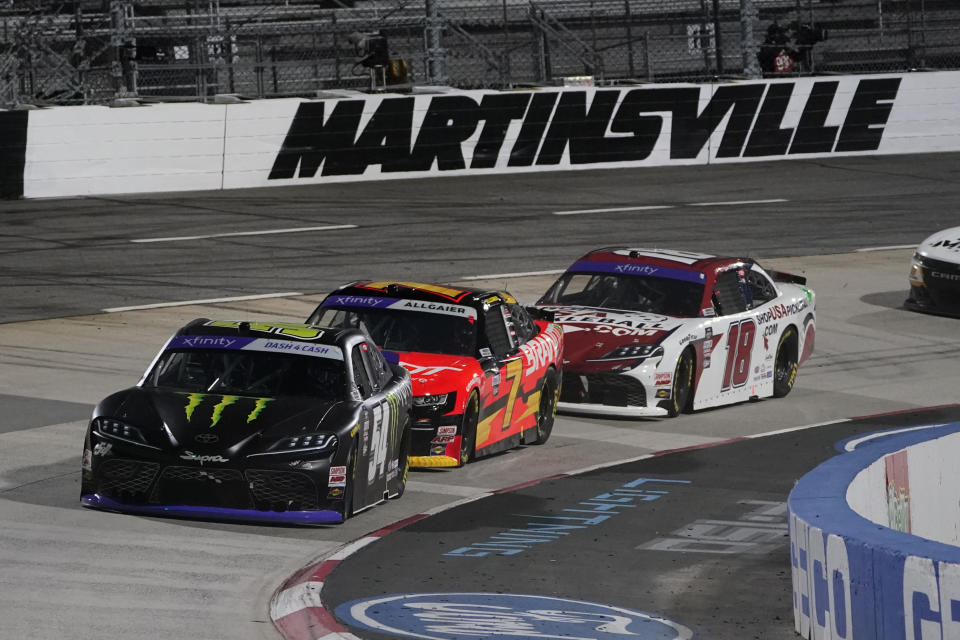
x,y
650,294
401,330
252,373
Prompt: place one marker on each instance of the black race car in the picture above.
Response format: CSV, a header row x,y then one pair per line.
x,y
935,274
244,421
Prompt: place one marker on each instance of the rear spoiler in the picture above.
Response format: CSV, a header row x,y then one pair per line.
x,y
780,276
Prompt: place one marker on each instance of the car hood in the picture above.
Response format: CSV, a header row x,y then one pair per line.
x,y
590,333
435,373
212,421
943,245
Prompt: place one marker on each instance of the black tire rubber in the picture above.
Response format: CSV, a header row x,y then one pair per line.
x,y
547,412
681,396
785,364
468,429
403,462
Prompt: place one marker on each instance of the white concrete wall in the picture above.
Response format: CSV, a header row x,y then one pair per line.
x,y
934,477
176,147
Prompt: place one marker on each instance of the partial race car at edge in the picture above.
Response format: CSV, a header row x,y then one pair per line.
x,y
935,274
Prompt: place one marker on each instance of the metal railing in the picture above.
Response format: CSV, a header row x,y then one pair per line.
x,y
96,51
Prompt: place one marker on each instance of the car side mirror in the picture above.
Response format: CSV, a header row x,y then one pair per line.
x,y
541,314
489,365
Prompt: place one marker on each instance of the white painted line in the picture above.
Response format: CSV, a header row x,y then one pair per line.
x,y
494,276
800,428
853,444
896,246
330,227
443,489
650,207
348,549
182,303
736,202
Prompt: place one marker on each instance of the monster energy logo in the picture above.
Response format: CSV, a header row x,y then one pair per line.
x,y
194,400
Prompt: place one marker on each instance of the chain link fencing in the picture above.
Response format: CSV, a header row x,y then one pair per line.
x,y
98,51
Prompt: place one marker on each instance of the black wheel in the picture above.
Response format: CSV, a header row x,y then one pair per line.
x,y
785,366
681,396
547,412
403,463
468,429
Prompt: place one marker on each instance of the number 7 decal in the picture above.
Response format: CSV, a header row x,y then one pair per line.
x,y
739,349
515,376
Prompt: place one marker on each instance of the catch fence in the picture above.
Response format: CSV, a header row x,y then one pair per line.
x,y
98,51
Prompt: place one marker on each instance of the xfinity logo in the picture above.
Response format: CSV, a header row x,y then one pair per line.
x,y
207,341
642,269
355,301
601,126
189,455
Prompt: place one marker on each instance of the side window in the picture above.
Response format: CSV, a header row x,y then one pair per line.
x,y
499,334
522,323
360,376
760,286
377,366
728,295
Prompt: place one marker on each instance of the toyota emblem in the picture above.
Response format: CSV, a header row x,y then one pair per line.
x,y
206,438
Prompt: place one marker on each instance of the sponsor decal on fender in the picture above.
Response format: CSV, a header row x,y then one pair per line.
x,y
618,125
541,351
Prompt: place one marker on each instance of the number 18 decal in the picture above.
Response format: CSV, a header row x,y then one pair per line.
x,y
739,348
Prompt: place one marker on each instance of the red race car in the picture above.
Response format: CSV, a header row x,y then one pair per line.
x,y
485,373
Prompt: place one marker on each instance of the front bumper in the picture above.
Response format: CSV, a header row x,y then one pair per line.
x,y
133,479
938,288
609,393
609,410
435,438
322,516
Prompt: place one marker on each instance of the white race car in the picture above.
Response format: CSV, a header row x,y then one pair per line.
x,y
650,332
935,274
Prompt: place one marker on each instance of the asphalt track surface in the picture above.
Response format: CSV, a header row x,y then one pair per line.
x,y
72,572
705,545
68,257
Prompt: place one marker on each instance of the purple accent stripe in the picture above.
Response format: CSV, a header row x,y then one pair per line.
x,y
654,271
209,342
324,516
358,302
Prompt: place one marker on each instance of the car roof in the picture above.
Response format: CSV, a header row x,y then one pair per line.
x,y
430,292
680,260
290,331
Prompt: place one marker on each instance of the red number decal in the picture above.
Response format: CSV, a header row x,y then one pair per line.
x,y
739,347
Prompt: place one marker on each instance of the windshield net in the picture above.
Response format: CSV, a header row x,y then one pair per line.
x,y
406,330
650,294
252,373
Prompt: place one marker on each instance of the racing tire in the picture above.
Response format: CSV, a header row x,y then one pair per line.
x,y
547,412
681,394
785,364
468,429
403,463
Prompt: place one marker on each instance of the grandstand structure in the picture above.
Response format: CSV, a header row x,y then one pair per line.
x,y
101,51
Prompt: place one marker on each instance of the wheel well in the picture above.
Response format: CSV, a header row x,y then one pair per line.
x,y
794,340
